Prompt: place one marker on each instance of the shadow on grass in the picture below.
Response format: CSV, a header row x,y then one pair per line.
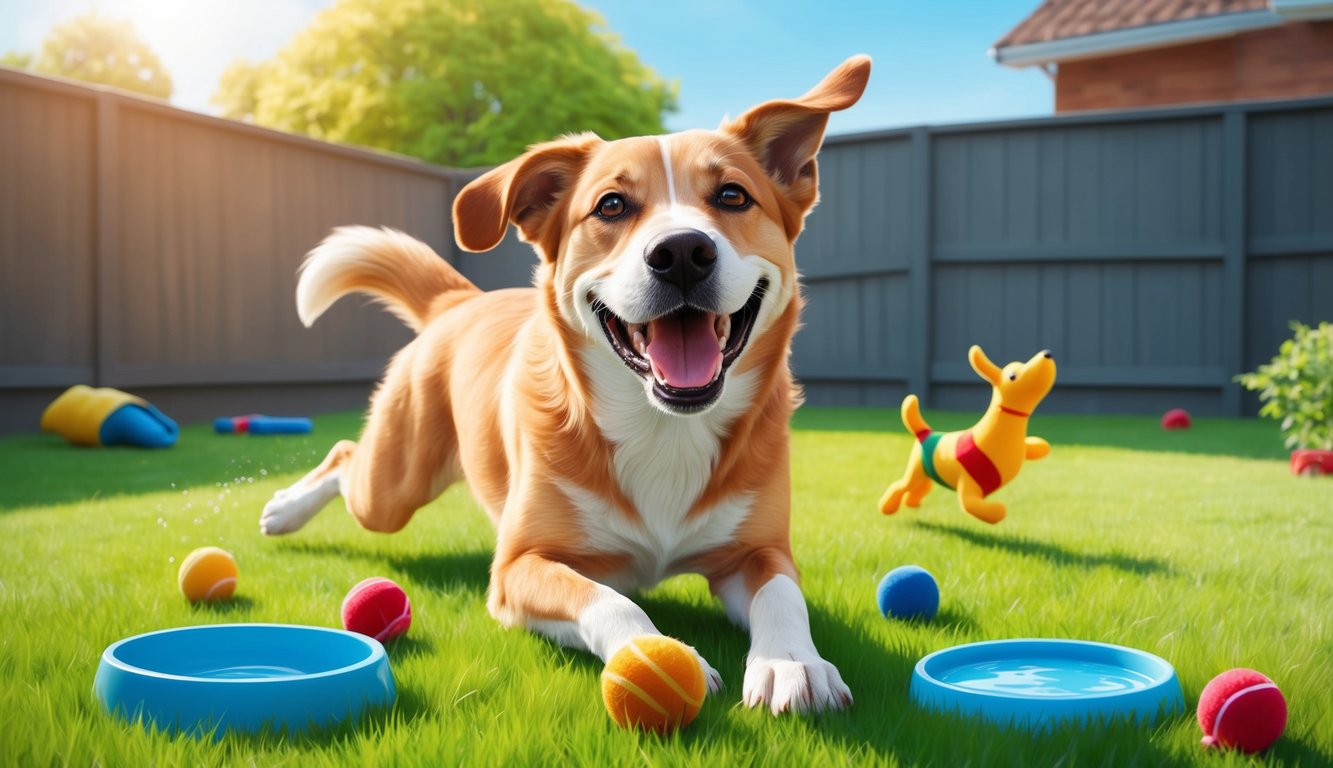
x,y
1051,552
42,470
1242,438
953,619
440,571
1289,750
234,604
448,571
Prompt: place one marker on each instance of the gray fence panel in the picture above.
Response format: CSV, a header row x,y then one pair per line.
x,y
155,250
1141,247
1291,177
48,161
1157,252
864,221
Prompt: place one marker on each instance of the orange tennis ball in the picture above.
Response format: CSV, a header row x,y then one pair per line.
x,y
654,683
208,574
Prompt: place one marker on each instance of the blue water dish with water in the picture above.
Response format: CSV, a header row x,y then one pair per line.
x,y
1038,683
244,677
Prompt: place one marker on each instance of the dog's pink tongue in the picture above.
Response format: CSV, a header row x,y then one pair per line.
x,y
684,348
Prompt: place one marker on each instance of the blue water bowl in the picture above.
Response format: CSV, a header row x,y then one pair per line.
x,y
244,677
1038,683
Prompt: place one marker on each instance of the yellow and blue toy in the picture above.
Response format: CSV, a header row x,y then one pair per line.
x,y
104,416
978,461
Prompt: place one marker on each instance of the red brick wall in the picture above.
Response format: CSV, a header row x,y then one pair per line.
x,y
1295,59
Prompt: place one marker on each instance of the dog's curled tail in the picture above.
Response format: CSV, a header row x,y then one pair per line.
x,y
401,272
912,417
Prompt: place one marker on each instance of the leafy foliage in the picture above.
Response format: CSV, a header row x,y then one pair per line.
x,y
455,82
98,50
16,59
1297,386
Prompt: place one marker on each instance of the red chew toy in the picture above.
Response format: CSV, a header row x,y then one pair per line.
x,y
1176,418
377,607
1242,708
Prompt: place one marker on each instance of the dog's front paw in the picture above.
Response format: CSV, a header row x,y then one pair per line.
x,y
804,684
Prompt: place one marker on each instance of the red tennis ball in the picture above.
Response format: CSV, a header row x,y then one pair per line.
x,y
377,607
1176,418
1242,708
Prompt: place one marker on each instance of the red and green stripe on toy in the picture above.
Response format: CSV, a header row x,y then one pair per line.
x,y
104,416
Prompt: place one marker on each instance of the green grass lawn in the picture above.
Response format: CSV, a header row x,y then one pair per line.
x,y
1198,546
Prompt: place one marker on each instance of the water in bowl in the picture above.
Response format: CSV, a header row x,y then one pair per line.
x,y
248,672
1039,678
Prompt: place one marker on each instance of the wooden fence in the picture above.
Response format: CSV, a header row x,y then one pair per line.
x,y
155,250
1157,253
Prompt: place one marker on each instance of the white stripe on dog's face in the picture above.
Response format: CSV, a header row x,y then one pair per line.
x,y
666,165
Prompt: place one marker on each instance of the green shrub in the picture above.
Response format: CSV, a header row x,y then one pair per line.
x,y
1297,386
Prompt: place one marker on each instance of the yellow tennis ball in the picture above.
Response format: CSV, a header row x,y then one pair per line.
x,y
654,683
208,574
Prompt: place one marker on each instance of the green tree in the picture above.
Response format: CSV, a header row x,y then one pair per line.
x,y
16,59
99,50
454,82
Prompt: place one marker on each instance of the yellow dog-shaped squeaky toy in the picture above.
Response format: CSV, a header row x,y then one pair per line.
x,y
978,461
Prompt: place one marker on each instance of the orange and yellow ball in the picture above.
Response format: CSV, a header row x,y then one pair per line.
x,y
208,574
654,683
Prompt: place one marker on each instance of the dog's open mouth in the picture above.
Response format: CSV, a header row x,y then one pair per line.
x,y
685,352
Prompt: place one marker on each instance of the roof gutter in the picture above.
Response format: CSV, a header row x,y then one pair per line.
x,y
1158,35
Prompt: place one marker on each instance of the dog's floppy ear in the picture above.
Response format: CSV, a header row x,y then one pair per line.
x,y
786,135
983,366
525,190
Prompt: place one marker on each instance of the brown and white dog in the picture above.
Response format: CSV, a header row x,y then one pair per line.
x,y
624,420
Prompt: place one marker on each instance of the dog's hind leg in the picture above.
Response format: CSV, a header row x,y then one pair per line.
x,y
400,464
396,467
293,507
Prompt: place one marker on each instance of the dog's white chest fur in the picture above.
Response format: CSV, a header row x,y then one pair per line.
x,y
662,463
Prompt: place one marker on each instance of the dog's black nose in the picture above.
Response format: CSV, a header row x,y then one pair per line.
x,y
683,257
1046,353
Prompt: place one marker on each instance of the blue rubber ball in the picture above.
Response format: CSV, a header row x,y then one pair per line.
x,y
909,592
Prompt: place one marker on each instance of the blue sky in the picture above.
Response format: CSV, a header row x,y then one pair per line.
x,y
931,63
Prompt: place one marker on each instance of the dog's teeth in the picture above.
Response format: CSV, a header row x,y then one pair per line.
x,y
721,342
722,326
640,343
657,372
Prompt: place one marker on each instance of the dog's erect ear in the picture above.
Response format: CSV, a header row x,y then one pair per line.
x,y
525,190
983,366
786,135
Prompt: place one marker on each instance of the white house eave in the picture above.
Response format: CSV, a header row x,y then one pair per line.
x,y
1302,10
1156,35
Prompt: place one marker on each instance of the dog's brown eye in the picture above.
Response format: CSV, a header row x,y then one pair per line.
x,y
611,206
1013,377
733,196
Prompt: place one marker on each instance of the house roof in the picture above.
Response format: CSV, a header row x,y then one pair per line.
x,y
1059,30
1057,19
